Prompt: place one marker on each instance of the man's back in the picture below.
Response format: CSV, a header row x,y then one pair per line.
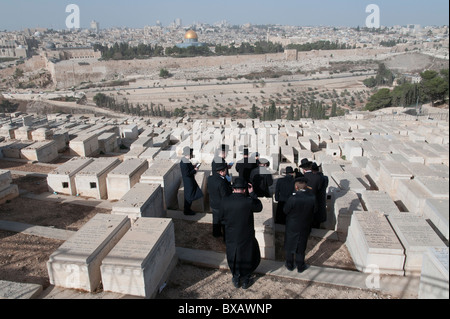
x,y
299,210
218,188
285,188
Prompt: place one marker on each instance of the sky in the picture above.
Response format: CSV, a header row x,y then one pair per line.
x,y
20,14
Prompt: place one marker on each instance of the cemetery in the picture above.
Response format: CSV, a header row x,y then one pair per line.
x,y
387,198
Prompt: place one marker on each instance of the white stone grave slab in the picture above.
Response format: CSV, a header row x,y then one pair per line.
x,y
416,236
142,200
437,211
143,259
91,180
434,281
62,179
378,201
76,263
264,229
372,242
122,178
167,173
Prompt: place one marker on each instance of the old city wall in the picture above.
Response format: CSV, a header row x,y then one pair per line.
x,y
71,73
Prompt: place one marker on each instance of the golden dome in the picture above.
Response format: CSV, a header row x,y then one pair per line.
x,y
191,35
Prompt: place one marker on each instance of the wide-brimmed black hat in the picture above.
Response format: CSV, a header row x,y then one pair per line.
x,y
240,183
315,167
221,167
305,163
289,170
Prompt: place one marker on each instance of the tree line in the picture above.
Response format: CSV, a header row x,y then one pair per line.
x,y
433,87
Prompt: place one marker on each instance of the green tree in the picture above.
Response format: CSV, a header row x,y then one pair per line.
x,y
163,73
290,114
433,86
379,100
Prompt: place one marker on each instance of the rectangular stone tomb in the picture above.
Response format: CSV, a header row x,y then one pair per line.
x,y
91,180
168,175
264,229
43,152
62,179
76,263
143,259
434,276
437,211
379,202
142,200
343,204
416,236
84,145
121,179
372,242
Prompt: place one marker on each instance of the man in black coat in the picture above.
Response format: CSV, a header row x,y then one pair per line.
x,y
192,191
321,197
243,254
245,166
315,182
218,189
299,211
219,159
284,189
261,179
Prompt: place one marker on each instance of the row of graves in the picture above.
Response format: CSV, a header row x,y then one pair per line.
x,y
388,193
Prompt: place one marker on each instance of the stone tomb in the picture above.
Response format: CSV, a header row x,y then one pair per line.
x,y
379,202
437,211
8,191
62,179
142,260
343,204
76,263
390,173
142,200
371,241
434,275
264,229
416,236
84,145
121,179
168,175
91,180
43,152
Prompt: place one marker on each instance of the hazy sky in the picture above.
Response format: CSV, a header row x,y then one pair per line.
x,y
19,14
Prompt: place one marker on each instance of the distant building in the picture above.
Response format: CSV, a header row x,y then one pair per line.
x,y
190,40
95,26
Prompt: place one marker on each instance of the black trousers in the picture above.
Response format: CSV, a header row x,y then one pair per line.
x,y
299,254
280,216
187,206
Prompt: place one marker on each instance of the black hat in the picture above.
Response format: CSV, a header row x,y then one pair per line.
x,y
221,167
245,151
289,170
187,151
305,163
315,167
240,183
302,180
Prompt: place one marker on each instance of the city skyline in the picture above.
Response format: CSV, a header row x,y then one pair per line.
x,y
343,13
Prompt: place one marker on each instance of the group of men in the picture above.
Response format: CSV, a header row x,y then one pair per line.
x,y
301,198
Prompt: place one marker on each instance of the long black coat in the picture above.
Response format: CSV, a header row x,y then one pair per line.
x,y
262,179
285,188
218,188
299,211
243,254
244,167
192,191
321,200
